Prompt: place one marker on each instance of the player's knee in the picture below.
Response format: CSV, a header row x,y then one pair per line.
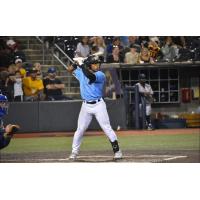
x,y
81,130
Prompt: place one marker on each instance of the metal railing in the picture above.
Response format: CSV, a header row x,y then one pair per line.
x,y
43,48
57,52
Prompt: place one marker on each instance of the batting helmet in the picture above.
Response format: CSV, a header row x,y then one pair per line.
x,y
93,60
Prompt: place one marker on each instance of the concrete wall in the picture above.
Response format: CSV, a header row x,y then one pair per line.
x,y
59,116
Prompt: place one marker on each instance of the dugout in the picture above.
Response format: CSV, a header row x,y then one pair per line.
x,y
176,86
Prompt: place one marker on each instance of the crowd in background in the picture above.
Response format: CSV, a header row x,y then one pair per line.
x,y
131,49
22,81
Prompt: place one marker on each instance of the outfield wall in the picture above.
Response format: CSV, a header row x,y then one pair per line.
x,y
59,116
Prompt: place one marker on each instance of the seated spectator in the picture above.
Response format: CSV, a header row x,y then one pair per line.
x,y
37,66
53,87
132,57
15,53
154,39
19,67
82,49
124,41
153,49
12,69
32,86
99,42
132,40
115,57
11,44
116,43
143,41
4,55
27,66
145,56
169,50
6,84
18,91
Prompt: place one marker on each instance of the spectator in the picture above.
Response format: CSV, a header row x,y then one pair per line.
x,y
7,85
4,55
154,39
143,41
132,57
94,49
18,92
27,66
19,67
32,86
153,49
169,50
53,87
124,41
116,43
133,40
12,69
99,42
37,66
82,49
145,56
14,51
115,57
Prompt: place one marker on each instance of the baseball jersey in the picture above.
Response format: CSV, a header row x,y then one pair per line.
x,y
92,91
146,88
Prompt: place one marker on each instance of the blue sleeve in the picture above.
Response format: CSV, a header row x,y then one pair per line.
x,y
100,77
78,73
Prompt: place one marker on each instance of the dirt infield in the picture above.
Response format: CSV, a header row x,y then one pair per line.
x,y
105,157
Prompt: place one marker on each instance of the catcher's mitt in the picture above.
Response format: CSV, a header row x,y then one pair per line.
x,y
11,129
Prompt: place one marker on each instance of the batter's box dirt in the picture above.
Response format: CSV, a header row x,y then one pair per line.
x,y
97,159
136,158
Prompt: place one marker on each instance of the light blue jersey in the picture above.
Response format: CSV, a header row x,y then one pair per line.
x,y
92,91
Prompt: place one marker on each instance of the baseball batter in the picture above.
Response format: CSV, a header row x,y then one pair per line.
x,y
146,91
91,88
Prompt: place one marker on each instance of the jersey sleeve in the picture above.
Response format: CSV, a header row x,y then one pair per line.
x,y
150,90
140,88
78,73
100,77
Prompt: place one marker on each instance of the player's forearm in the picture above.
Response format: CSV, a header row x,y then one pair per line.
x,y
59,86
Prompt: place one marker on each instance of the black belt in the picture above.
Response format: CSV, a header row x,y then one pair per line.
x,y
92,102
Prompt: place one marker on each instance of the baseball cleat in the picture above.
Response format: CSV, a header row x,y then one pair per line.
x,y
73,156
149,128
118,155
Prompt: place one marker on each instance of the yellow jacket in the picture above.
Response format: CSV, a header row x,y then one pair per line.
x,y
32,87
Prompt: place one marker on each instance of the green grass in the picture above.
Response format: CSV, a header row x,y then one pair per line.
x,y
131,142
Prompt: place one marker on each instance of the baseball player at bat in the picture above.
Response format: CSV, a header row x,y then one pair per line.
x,y
92,80
7,132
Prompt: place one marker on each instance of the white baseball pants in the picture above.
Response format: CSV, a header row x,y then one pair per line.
x,y
85,116
148,109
